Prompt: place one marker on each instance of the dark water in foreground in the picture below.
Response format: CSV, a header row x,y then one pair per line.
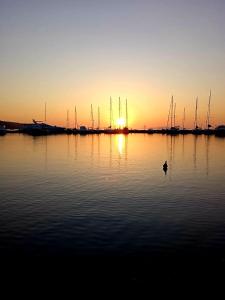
x,y
108,195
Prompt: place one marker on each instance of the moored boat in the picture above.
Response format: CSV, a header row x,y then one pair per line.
x,y
220,130
197,131
40,128
173,130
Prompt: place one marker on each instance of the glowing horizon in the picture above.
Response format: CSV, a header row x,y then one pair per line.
x,y
55,115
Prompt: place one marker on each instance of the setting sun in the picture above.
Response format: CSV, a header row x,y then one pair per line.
x,y
120,122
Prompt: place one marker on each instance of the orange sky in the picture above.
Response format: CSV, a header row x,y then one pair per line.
x,y
144,108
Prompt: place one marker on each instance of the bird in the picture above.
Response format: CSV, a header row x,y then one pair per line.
x,y
165,166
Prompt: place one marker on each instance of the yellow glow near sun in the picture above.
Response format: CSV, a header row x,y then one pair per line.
x,y
120,122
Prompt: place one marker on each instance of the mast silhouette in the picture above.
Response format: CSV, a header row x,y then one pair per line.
x,y
167,124
171,115
196,114
75,117
126,115
67,119
183,118
110,113
98,117
174,115
119,110
208,114
92,117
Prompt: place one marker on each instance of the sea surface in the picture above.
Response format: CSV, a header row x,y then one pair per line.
x,y
107,195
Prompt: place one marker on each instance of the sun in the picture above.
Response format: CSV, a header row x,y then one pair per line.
x,y
120,122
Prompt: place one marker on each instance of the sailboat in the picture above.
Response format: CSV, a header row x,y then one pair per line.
x,y
75,130
184,130
125,130
98,130
83,130
41,128
197,129
208,129
110,130
92,128
220,130
172,116
68,129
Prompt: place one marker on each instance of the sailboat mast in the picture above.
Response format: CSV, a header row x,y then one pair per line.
x,y
119,110
208,115
174,115
183,118
167,124
75,118
126,115
98,117
67,119
110,125
196,114
171,115
92,117
45,111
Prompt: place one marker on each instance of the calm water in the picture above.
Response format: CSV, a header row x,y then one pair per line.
x,y
108,195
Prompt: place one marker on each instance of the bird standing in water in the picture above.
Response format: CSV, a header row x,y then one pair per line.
x,y
165,166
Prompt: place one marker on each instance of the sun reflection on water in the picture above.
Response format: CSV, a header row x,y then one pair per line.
x,y
120,143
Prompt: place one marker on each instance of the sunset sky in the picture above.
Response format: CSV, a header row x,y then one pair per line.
x,y
81,52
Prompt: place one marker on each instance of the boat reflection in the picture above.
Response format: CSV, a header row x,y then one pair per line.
x,y
75,146
187,146
171,149
208,139
193,152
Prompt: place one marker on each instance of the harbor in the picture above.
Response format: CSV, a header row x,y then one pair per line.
x,y
121,125
37,129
